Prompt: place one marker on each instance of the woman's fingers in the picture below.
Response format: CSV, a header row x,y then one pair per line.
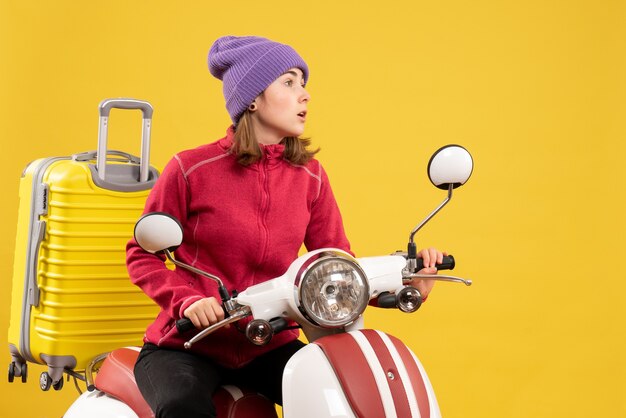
x,y
431,257
204,312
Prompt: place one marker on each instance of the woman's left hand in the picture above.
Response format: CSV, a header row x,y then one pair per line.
x,y
431,256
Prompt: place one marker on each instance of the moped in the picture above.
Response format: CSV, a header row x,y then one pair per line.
x,y
345,370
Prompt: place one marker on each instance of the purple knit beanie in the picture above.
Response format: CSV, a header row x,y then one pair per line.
x,y
247,65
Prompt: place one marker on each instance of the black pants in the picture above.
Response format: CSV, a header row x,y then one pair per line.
x,y
180,383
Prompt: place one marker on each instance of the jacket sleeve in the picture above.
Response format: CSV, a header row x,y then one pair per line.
x,y
325,227
168,288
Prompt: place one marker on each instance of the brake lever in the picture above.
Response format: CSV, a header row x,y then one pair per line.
x,y
240,314
440,277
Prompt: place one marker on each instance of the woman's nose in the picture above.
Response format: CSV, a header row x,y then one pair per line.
x,y
305,97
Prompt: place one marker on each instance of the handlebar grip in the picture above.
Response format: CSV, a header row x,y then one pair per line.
x,y
448,263
184,325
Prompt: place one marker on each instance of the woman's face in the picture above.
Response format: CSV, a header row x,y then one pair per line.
x,y
281,108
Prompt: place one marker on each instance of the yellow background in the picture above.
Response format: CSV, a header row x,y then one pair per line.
x,y
534,89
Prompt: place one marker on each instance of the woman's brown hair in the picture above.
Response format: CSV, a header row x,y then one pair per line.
x,y
248,151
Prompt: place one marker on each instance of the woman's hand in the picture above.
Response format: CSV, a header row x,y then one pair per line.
x,y
205,312
431,256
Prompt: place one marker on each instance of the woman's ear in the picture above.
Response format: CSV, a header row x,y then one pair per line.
x,y
253,107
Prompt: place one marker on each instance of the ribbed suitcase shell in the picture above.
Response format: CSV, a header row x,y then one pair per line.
x,y
71,240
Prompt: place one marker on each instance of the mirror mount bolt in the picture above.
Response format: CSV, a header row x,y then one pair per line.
x,y
411,257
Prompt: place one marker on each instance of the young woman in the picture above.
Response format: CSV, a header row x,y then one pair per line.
x,y
246,203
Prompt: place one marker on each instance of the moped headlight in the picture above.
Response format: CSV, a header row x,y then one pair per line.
x,y
332,290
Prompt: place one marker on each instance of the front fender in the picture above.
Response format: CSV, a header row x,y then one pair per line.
x,y
363,373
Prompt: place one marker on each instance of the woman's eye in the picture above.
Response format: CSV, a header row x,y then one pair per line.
x,y
289,83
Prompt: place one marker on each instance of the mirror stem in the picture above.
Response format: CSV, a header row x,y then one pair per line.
x,y
222,289
433,213
412,248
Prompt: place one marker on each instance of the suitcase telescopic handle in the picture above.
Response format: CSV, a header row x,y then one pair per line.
x,y
103,131
134,104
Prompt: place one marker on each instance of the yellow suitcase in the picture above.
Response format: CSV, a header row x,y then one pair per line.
x,y
72,298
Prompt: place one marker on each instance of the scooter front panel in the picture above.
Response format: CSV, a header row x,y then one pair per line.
x,y
311,389
424,392
379,375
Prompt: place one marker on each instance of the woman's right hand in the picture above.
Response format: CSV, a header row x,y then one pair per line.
x,y
205,312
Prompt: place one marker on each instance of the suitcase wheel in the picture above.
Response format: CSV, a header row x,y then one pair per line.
x,y
45,381
24,372
18,370
58,385
12,368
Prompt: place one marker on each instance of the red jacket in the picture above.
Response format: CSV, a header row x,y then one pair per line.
x,y
243,224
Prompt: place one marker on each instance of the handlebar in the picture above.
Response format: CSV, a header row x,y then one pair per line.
x,y
385,300
183,325
390,300
447,264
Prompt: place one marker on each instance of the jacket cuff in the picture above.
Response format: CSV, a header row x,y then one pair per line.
x,y
187,303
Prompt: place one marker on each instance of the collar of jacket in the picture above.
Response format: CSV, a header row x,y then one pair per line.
x,y
272,153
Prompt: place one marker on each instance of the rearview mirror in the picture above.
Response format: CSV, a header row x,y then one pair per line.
x,y
450,165
158,231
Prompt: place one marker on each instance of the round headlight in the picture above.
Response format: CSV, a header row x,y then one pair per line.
x,y
333,290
